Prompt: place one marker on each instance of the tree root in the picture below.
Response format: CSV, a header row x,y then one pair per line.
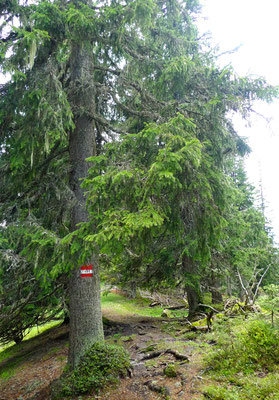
x,y
154,354
164,390
178,356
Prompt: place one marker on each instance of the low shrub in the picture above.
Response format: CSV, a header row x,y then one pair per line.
x,y
103,364
252,347
256,388
219,393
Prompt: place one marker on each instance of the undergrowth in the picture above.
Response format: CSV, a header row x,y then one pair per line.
x,y
254,388
245,360
246,347
103,364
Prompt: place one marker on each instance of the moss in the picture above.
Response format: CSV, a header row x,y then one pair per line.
x,y
166,313
170,371
103,364
254,346
9,370
119,340
190,335
252,388
149,348
219,393
200,322
179,345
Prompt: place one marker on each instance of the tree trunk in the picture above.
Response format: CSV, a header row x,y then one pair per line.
x,y
133,290
192,287
84,292
229,286
216,296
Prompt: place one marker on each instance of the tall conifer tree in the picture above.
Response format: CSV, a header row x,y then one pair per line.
x,y
83,73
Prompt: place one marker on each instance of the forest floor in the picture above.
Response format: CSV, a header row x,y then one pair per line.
x,y
30,367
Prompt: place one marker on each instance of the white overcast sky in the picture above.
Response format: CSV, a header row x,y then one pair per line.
x,y
254,26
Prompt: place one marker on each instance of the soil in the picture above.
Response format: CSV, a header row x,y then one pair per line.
x,y
42,362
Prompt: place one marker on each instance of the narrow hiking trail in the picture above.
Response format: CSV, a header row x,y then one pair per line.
x,y
151,349
148,368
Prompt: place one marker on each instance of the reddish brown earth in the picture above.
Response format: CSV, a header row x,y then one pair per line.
x,y
42,361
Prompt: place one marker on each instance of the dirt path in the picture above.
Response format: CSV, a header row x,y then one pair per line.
x,y
37,366
146,339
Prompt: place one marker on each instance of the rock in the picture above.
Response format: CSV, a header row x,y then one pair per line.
x,y
166,314
152,385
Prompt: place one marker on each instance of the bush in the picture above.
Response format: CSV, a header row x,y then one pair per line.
x,y
101,365
219,393
256,388
261,342
254,347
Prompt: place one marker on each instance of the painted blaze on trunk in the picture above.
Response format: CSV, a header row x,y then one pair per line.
x,y
84,293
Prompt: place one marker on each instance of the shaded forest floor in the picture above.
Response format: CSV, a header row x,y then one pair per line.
x,y
30,367
154,343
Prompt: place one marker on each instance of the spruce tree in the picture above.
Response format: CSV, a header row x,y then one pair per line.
x,y
83,73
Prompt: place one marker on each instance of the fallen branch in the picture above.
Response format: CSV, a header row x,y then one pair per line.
x,y
211,308
155,303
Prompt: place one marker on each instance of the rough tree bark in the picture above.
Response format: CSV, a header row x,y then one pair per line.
x,y
192,288
215,293
85,306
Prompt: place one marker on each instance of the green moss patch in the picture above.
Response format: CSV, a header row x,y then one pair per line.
x,y
170,371
244,361
250,348
103,364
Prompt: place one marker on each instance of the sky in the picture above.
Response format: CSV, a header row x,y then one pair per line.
x,y
252,25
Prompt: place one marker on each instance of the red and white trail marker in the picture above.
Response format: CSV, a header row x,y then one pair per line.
x,y
86,271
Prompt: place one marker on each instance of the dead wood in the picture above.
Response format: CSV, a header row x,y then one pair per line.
x,y
154,304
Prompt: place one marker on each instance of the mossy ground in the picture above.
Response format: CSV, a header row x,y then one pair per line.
x,y
103,364
210,374
244,363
